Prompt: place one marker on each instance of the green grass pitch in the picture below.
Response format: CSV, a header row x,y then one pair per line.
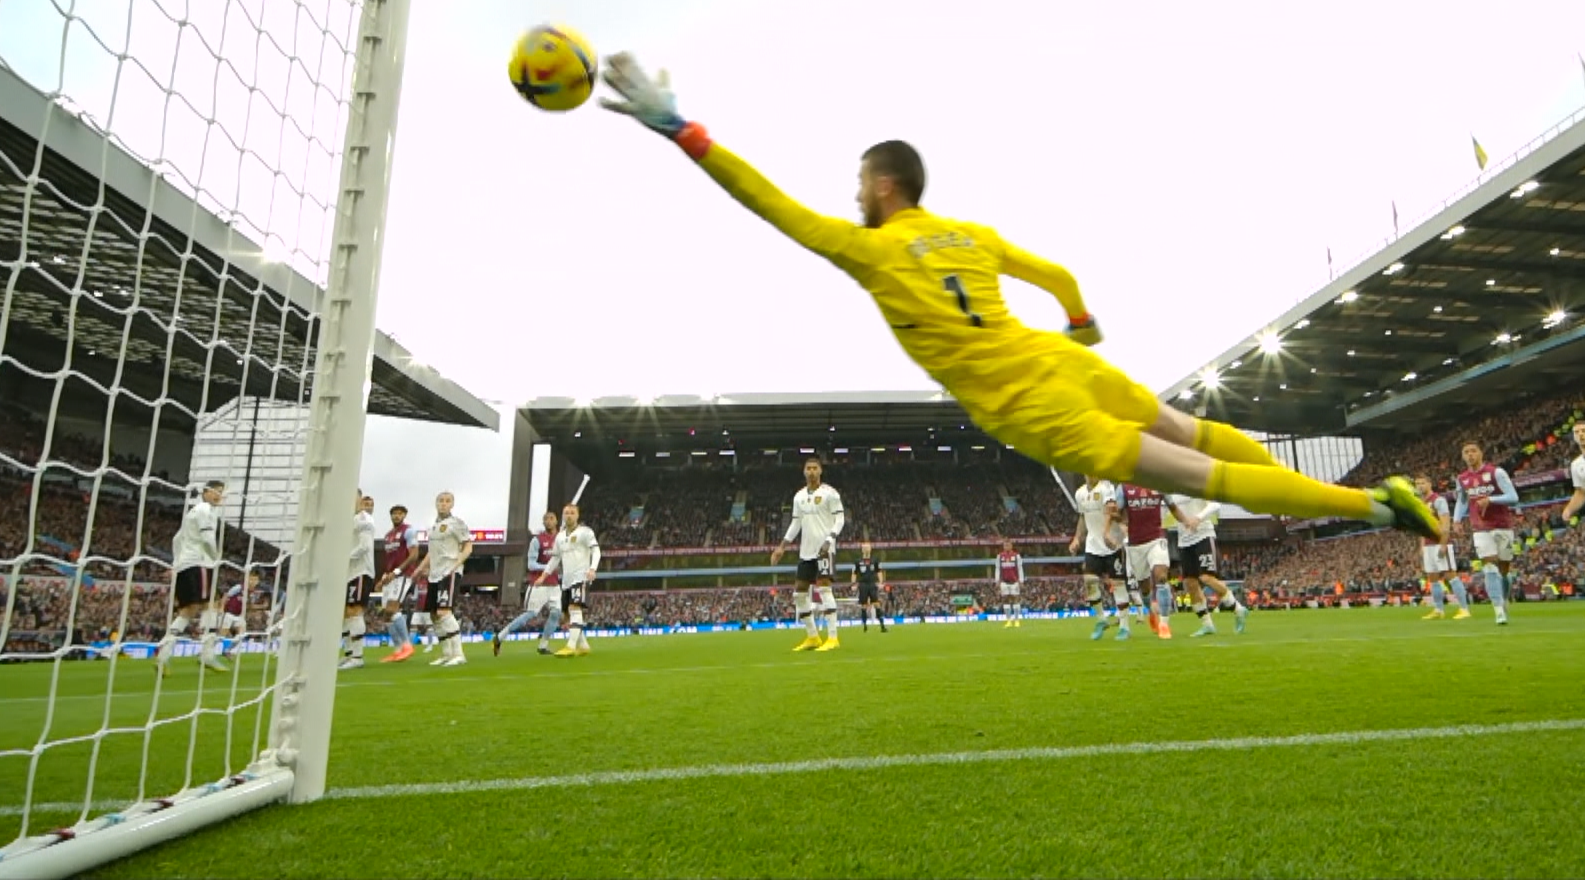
x,y
1320,743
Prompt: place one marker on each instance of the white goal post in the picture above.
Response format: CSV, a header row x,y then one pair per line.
x,y
305,635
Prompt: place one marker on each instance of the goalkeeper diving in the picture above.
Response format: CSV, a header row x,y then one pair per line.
x,y
937,283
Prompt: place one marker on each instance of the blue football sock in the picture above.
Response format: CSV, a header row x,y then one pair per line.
x,y
552,623
1460,592
1437,598
1164,600
518,622
398,630
1494,587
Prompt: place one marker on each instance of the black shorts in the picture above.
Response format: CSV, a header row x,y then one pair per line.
x,y
192,586
869,594
811,570
358,590
1112,565
435,595
577,594
1198,558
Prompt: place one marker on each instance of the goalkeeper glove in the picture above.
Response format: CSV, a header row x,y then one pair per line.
x,y
650,101
1084,330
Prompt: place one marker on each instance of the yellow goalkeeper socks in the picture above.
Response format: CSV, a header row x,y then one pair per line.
x,y
1227,443
1279,491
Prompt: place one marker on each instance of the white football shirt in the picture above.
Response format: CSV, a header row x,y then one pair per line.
x,y
446,538
197,542
1092,501
818,518
1200,509
1577,471
361,563
575,553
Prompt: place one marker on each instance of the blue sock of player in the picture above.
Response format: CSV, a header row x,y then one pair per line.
x,y
1437,598
518,624
552,623
1164,600
1461,593
398,630
1494,588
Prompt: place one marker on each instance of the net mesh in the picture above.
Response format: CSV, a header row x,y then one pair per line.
x,y
167,187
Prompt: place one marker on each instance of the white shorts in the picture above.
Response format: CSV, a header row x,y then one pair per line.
x,y
1495,544
1438,559
539,597
396,590
421,618
1010,589
1144,557
230,622
824,598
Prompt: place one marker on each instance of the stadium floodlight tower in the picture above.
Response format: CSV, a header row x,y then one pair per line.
x,y
337,326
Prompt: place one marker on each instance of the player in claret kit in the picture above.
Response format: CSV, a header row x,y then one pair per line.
x,y
1436,557
1487,496
396,584
1148,557
544,596
1010,583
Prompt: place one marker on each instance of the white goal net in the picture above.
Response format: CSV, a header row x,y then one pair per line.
x,y
190,196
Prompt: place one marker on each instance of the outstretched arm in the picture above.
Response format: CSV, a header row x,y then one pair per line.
x,y
651,102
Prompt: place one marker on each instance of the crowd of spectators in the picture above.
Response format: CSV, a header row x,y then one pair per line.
x,y
1504,436
712,505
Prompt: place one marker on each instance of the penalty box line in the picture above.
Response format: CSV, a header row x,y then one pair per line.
x,y
879,762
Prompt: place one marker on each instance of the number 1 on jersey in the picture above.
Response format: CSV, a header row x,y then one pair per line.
x,y
954,285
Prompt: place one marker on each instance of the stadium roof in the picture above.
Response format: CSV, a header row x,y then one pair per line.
x,y
592,433
177,297
1487,296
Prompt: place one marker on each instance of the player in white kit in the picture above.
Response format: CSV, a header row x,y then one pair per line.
x,y
1197,564
439,577
195,553
1436,557
1100,534
1576,502
360,584
577,556
817,520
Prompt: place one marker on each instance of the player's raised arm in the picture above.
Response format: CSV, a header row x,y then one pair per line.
x,y
651,102
1058,282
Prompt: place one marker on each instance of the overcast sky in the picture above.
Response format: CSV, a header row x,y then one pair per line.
x,y
1191,163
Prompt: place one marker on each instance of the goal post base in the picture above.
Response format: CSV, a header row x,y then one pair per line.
x,y
69,852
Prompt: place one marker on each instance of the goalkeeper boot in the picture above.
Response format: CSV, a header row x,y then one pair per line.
x,y
1410,512
811,643
830,644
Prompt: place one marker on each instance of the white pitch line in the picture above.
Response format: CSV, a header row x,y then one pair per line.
x,y
880,762
1222,640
